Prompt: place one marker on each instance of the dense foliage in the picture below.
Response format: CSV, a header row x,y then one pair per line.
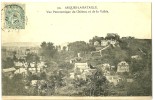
x,y
59,69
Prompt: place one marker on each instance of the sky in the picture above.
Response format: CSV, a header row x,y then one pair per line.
x,y
125,19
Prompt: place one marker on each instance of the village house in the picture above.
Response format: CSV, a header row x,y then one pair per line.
x,y
9,72
32,50
104,42
22,71
113,79
81,71
32,70
34,83
32,64
81,67
106,66
37,68
113,42
18,64
41,65
129,80
96,43
123,66
136,57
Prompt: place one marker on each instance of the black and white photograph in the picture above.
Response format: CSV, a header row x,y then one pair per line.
x,y
69,49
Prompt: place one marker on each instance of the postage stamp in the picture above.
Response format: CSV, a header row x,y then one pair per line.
x,y
14,16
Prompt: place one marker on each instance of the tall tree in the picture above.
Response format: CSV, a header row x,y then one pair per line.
x,y
80,47
114,36
48,50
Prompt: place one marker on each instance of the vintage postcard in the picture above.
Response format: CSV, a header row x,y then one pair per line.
x,y
76,50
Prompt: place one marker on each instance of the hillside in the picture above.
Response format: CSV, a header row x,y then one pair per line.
x,y
136,53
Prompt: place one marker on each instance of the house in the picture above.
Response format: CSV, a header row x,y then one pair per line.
x,y
38,83
9,71
21,71
32,64
123,66
104,42
41,65
113,79
21,64
34,83
136,57
96,43
113,42
106,66
81,67
82,71
18,64
37,68
129,80
32,70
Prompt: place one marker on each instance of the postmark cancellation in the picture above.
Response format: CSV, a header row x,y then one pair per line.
x,y
14,16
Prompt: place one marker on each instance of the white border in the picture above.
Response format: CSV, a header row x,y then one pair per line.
x,y
153,34
76,0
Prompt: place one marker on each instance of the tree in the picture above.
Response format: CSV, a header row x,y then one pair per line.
x,y
31,57
43,76
94,85
14,86
64,48
48,50
80,46
113,36
96,38
7,63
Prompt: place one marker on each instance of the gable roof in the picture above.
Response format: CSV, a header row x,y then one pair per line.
x,y
123,63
